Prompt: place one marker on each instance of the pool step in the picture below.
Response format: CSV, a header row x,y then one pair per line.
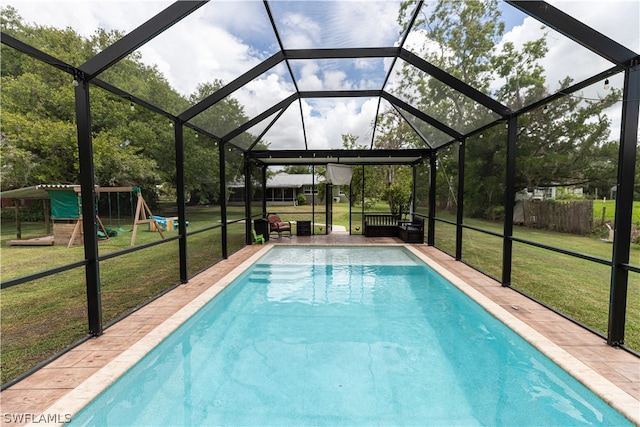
x,y
280,273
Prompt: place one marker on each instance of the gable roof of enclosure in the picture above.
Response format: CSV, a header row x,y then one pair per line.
x,y
288,55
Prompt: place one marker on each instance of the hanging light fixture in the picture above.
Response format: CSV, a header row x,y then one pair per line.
x,y
545,109
607,86
132,107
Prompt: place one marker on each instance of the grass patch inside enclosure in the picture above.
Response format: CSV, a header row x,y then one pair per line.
x,y
41,318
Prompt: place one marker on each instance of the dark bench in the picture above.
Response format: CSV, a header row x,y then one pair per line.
x,y
388,225
380,225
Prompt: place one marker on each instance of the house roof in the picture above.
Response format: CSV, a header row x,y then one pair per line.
x,y
41,191
37,191
286,180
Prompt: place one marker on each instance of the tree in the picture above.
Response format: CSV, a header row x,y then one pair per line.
x,y
297,169
354,191
131,147
393,182
17,165
38,116
203,180
557,147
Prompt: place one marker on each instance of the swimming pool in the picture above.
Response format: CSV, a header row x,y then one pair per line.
x,y
344,336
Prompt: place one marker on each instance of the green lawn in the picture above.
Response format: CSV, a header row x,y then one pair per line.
x,y
609,207
42,317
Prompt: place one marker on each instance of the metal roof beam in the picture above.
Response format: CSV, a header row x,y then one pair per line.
x,y
570,90
264,132
257,119
576,31
340,93
422,116
138,37
310,154
455,83
411,125
36,53
55,62
346,53
228,89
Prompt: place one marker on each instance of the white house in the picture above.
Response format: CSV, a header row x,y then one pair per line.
x,y
282,189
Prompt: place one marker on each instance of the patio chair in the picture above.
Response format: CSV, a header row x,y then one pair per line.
x,y
257,238
277,225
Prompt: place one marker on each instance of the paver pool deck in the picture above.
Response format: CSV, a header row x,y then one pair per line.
x,y
613,374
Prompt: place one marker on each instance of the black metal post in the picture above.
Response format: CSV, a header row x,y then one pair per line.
x,y
247,198
414,179
16,205
509,200
223,200
182,204
328,207
460,207
350,210
264,191
313,205
431,225
624,206
89,220
362,207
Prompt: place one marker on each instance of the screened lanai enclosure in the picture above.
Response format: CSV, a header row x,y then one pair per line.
x,y
510,128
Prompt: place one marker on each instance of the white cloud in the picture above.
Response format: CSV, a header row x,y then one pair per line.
x,y
568,58
196,52
362,23
263,93
336,80
565,57
224,39
300,31
617,19
87,16
327,120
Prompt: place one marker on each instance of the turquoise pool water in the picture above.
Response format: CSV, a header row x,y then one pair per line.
x,y
354,336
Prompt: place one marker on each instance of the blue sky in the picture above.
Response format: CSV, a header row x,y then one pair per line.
x,y
224,39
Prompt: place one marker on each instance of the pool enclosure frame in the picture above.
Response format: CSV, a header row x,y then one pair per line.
x,y
83,76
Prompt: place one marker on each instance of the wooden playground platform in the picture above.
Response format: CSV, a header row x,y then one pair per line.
x,y
34,241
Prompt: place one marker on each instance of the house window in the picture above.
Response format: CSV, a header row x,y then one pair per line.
x,y
288,194
236,194
309,190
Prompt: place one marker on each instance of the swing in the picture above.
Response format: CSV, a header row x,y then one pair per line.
x,y
102,232
108,232
120,229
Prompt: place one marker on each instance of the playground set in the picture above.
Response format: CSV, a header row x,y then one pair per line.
x,y
65,214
